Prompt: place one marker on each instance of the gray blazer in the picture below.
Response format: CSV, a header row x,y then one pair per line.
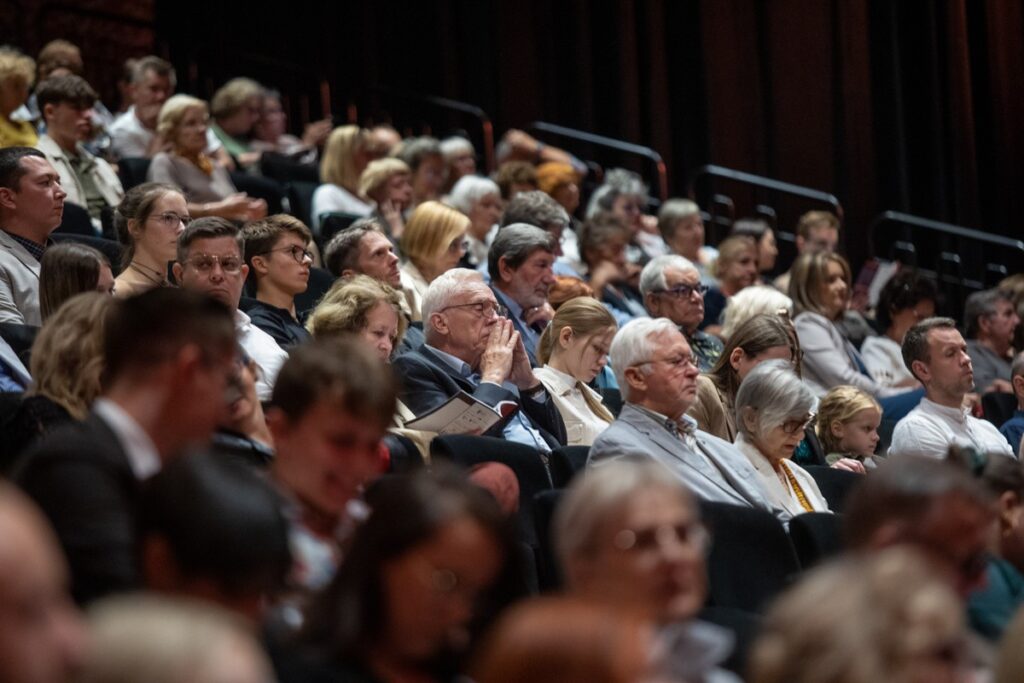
x,y
19,284
730,479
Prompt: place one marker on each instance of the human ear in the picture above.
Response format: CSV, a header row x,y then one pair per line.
x,y
749,417
735,357
838,429
920,370
565,337
636,378
505,272
259,264
178,272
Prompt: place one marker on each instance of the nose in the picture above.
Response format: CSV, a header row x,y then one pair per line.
x,y
392,258
59,192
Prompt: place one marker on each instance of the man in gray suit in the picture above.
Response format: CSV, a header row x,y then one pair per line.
x,y
31,207
658,378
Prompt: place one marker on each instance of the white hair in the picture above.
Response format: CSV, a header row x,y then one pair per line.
x,y
443,289
469,189
751,302
633,345
652,277
775,394
455,145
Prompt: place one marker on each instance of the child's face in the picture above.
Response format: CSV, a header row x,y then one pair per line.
x,y
860,434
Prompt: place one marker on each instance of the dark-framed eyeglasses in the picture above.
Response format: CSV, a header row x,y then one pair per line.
x,y
683,291
298,253
482,309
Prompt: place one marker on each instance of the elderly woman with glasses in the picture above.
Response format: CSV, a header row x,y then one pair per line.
x,y
772,409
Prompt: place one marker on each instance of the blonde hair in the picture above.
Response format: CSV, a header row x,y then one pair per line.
x,y
729,250
583,315
841,404
173,112
338,167
347,303
231,96
430,230
380,171
751,302
808,275
816,219
16,64
67,355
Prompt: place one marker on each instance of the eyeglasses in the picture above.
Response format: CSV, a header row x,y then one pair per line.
x,y
794,426
648,540
482,309
683,291
204,263
298,253
676,362
171,218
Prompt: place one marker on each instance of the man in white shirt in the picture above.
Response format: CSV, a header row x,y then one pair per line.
x,y
210,262
936,353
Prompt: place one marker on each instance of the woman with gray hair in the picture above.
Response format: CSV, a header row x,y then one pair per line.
x,y
480,199
773,406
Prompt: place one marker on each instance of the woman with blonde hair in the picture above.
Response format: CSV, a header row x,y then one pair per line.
x,y
17,72
434,242
574,350
387,182
343,162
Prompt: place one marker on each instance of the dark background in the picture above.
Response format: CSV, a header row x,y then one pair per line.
x,y
913,106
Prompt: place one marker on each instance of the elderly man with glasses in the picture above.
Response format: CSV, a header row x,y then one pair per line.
x,y
672,289
471,346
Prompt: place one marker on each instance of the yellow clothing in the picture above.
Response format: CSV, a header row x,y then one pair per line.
x,y
17,133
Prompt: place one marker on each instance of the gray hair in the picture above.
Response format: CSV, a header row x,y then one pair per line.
x,y
775,394
342,251
617,181
415,150
632,345
515,243
652,277
750,302
444,289
535,208
980,305
673,211
469,189
915,341
597,498
454,145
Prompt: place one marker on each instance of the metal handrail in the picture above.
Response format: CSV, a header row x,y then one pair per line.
x,y
610,143
765,183
945,228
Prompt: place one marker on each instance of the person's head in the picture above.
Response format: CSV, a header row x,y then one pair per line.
x,y
560,181
820,283
535,208
277,253
42,638
434,558
153,81
906,299
628,533
386,180
520,262
773,406
59,57
383,140
362,306
344,158
1017,379
65,103
459,310
760,338
758,230
67,355
17,73
682,228
817,231
567,288
273,120
736,266
932,505
514,177
31,198
182,122
70,268
654,366
604,237
140,637
230,508
991,318
459,156
237,105
889,618
332,401
149,221
936,354
671,288
434,238
210,260
363,249
424,158
480,199
578,338
847,421
567,639
751,302
623,194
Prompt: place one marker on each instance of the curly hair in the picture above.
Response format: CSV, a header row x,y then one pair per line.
x,y
347,303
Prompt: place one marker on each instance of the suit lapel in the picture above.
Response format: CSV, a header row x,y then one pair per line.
x,y
19,252
447,369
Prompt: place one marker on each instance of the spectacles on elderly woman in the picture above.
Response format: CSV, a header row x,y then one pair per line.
x,y
794,426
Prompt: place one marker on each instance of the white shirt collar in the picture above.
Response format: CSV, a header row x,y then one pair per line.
x,y
562,382
956,414
142,454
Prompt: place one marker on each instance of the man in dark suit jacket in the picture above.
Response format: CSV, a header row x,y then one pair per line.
x,y
169,355
470,347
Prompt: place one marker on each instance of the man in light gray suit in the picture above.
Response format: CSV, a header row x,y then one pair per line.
x,y
658,378
31,207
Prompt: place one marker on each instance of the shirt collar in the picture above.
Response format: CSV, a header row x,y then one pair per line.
x,y
456,363
514,309
37,250
242,321
142,454
685,424
562,382
957,414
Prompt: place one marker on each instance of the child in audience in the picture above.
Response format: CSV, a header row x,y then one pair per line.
x,y
848,420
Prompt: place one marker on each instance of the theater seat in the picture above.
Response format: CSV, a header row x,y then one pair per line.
x,y
816,536
548,570
75,221
320,280
566,462
835,484
109,248
998,407
132,171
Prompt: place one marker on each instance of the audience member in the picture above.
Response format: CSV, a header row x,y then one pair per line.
x,y
603,240
68,269
773,407
277,253
383,140
344,160
243,433
148,221
541,211
751,302
363,306
734,270
758,230
682,228
386,183
424,158
459,159
167,356
990,320
566,289
434,242
1013,429
816,231
905,300
210,262
17,73
672,289
516,145
270,134
561,182
514,177
624,195
66,105
236,108
31,207
847,425
657,376
936,354
573,351
480,199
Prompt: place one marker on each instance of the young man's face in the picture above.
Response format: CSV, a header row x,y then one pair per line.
x,y
378,260
286,266
819,238
68,122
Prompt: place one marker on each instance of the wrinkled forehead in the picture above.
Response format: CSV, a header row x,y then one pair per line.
x,y
215,246
680,276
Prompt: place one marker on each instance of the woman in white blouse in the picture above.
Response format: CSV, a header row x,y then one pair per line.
x,y
574,350
345,157
906,299
773,406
